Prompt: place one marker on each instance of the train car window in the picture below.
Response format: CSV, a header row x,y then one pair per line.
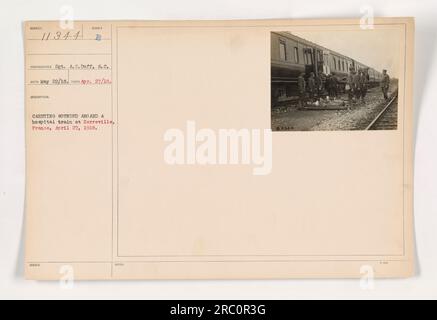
x,y
296,55
335,63
282,50
325,59
342,64
308,56
339,65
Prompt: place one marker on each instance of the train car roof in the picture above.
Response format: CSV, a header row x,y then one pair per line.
x,y
299,39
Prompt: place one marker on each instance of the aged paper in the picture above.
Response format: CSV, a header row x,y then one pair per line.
x,y
219,149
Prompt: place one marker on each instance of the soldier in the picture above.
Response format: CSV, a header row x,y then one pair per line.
x,y
319,83
302,89
350,85
385,84
331,86
357,84
364,78
328,85
311,86
334,86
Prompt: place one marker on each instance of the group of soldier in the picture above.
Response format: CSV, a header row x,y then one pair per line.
x,y
357,84
356,87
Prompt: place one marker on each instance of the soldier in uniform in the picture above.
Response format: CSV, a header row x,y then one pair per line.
x,y
331,86
350,84
328,85
311,85
385,84
334,86
364,78
319,84
302,89
357,84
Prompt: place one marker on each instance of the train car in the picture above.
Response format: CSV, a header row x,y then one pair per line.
x,y
340,66
287,62
292,55
374,77
377,76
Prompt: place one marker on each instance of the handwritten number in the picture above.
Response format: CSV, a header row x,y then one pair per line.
x,y
59,35
46,36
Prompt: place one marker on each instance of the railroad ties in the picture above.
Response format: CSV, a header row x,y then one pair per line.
x,y
387,119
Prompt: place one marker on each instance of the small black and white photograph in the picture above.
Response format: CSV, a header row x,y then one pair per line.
x,y
335,80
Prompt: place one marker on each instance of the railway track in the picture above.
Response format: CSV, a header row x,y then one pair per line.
x,y
387,119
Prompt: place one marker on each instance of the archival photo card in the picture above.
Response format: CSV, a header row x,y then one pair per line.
x,y
150,152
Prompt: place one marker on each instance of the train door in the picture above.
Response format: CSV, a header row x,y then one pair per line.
x,y
308,60
326,67
319,61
